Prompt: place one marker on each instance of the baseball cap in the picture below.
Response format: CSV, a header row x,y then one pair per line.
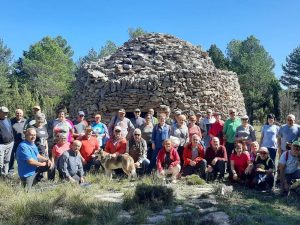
x,y
209,111
296,143
245,117
137,110
122,110
118,128
36,107
137,131
178,112
4,109
81,113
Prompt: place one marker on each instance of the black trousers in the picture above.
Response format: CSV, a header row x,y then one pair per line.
x,y
199,169
32,180
229,149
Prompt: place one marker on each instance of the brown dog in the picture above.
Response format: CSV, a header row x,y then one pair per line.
x,y
124,161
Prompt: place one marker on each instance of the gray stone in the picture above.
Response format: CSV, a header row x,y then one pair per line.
x,y
216,218
154,219
161,69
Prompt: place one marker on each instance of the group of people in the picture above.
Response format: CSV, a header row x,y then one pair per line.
x,y
180,146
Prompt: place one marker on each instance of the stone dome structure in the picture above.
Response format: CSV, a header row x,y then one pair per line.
x,y
152,70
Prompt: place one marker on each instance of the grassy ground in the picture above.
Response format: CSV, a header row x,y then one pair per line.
x,y
249,207
65,203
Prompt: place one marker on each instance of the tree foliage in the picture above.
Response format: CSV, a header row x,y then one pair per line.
x,y
218,57
291,70
5,68
135,32
46,70
254,66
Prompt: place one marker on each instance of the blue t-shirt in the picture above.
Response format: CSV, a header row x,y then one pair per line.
x,y
26,151
288,134
269,133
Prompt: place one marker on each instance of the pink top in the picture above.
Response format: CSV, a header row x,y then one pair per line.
x,y
59,149
194,130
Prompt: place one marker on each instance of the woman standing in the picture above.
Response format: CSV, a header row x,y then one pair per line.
x,y
41,140
193,128
269,133
245,133
101,131
147,130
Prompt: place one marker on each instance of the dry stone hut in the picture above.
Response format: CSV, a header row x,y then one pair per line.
x,y
153,70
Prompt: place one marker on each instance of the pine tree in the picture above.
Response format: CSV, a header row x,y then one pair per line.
x,y
291,76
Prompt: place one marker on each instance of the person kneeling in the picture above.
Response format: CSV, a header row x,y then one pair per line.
x,y
30,163
193,157
288,167
71,165
263,168
168,161
239,161
216,158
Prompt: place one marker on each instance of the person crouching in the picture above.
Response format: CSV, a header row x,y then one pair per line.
x,y
71,165
30,163
168,161
193,157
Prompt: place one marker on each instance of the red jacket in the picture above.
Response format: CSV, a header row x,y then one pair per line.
x,y
216,130
161,158
187,154
119,148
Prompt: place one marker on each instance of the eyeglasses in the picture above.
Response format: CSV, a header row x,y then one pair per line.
x,y
263,153
232,113
137,135
117,131
290,120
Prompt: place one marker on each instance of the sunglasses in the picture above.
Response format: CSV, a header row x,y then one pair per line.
x,y
137,135
117,131
232,113
263,153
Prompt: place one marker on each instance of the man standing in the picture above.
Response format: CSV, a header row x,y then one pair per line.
x,y
154,120
79,125
288,133
160,133
30,163
207,122
6,141
18,124
229,131
123,122
137,121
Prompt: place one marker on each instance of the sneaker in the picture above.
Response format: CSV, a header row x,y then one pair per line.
x,y
174,181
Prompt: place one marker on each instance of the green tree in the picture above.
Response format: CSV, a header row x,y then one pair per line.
x,y
254,66
135,32
291,73
218,57
108,49
5,70
47,70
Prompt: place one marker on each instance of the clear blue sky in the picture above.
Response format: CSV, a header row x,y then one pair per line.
x,y
89,24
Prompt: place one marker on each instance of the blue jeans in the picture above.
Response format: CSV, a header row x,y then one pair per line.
x,y
272,153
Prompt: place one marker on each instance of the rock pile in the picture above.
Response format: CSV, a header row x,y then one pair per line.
x,y
153,70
